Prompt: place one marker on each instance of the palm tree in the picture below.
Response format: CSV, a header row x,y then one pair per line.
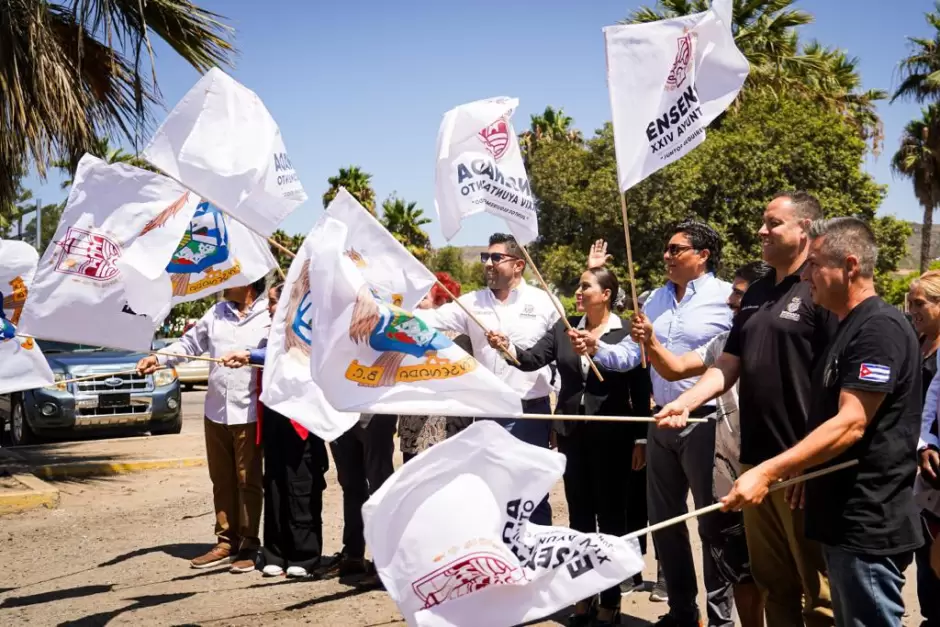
x,y
551,125
11,211
404,221
918,159
920,71
74,71
765,31
101,148
357,182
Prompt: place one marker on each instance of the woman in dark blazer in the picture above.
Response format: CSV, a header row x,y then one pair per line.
x,y
597,471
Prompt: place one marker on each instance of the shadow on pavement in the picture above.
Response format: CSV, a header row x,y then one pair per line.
x,y
55,595
103,618
183,551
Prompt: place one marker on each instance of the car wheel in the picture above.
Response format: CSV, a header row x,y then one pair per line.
x,y
168,428
21,434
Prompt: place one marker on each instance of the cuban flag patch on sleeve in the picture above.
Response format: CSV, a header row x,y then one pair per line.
x,y
874,372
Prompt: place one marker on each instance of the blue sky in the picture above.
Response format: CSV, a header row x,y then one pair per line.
x,y
366,82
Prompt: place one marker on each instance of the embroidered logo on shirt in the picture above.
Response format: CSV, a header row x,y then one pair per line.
x,y
874,373
528,311
794,304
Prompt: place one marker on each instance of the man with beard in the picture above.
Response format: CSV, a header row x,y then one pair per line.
x,y
524,314
232,451
775,343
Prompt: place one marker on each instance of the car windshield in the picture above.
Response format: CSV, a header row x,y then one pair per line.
x,y
48,346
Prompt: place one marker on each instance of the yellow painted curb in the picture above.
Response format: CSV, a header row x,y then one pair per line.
x,y
98,469
39,494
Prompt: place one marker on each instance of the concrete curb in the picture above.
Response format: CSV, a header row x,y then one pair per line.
x,y
38,494
100,469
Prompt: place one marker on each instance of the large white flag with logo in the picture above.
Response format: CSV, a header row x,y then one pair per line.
x,y
22,366
221,142
668,80
215,252
287,386
368,352
451,540
119,229
480,168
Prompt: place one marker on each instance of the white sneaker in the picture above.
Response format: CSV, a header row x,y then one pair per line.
x,y
272,570
296,571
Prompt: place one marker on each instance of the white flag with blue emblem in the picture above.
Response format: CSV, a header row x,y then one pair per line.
x,y
22,365
452,542
100,279
287,386
668,80
221,142
369,353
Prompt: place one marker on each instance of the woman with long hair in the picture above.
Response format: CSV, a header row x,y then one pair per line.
x,y
595,477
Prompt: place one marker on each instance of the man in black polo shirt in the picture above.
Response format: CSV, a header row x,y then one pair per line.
x,y
774,344
865,407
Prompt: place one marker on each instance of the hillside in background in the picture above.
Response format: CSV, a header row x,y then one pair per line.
x,y
910,260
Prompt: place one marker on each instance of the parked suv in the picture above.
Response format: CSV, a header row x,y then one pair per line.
x,y
191,372
150,402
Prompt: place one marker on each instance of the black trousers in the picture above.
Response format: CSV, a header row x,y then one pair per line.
x,y
596,482
363,462
294,481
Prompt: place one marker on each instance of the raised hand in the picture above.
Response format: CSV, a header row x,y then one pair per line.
x,y
597,256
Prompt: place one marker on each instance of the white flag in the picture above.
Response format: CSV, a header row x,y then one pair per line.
x,y
480,168
451,540
119,228
668,80
216,252
287,386
22,365
369,353
221,142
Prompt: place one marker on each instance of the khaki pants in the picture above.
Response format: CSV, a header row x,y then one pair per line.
x,y
235,471
789,569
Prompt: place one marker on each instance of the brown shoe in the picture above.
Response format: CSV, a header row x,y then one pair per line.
x,y
244,562
220,554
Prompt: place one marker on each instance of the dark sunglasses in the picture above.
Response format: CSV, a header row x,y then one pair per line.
x,y
674,250
496,257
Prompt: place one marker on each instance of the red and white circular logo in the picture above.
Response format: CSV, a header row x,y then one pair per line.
x,y
496,138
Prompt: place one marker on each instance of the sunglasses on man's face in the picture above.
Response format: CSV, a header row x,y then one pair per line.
x,y
495,257
674,250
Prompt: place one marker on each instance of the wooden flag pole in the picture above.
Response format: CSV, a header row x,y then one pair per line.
x,y
198,358
717,506
561,312
476,321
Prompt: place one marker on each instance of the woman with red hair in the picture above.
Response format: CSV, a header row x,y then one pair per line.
x,y
417,433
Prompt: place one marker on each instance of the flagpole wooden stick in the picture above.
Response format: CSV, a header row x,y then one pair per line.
x,y
717,506
198,358
623,207
475,320
561,312
597,418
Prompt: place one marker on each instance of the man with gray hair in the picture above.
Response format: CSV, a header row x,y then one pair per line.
x,y
865,407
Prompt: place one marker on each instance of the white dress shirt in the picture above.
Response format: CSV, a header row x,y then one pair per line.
x,y
220,331
525,317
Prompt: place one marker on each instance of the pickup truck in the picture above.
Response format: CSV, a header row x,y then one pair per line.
x,y
150,402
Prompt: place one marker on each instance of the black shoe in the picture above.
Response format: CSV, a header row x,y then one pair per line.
x,y
671,621
328,566
580,620
371,581
659,594
613,620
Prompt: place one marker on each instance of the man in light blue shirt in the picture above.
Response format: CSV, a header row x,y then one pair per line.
x,y
686,313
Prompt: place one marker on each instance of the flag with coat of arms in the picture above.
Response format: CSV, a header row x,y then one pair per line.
x,y
22,365
480,168
100,280
668,80
452,543
368,352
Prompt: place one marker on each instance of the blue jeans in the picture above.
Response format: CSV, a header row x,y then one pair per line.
x,y
928,585
866,589
537,433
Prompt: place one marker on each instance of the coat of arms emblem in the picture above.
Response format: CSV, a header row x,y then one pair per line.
x,y
682,65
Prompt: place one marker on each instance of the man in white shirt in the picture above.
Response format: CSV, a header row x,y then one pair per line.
x,y
523,313
239,322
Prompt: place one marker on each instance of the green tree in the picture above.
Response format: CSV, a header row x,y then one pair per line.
x,y
448,259
766,32
766,146
357,182
551,125
404,221
291,243
918,159
71,72
920,70
49,223
12,209
101,148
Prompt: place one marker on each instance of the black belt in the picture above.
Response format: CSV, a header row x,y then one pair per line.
x,y
701,412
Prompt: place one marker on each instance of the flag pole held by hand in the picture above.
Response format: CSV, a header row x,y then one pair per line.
x,y
717,506
475,320
564,318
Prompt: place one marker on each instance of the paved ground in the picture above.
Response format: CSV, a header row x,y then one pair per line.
x,y
114,552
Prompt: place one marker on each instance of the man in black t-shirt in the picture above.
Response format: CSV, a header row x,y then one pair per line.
x,y
865,407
